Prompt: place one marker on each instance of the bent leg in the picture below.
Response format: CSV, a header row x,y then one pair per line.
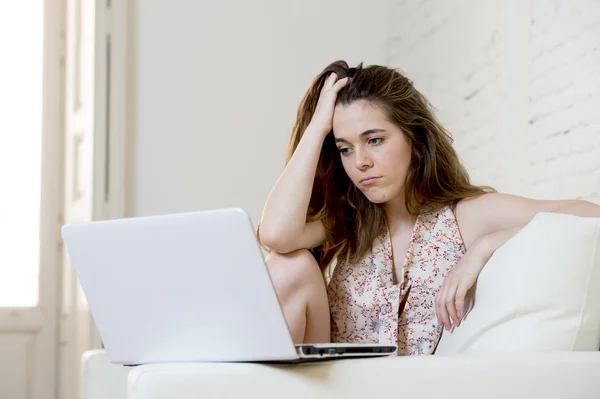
x,y
303,296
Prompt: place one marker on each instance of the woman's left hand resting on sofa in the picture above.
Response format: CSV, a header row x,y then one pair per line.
x,y
486,223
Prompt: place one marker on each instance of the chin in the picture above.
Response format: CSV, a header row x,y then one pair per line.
x,y
380,195
377,200
377,196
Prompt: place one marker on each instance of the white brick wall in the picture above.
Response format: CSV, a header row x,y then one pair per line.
x,y
517,82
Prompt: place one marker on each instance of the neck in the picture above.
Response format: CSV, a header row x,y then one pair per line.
x,y
397,214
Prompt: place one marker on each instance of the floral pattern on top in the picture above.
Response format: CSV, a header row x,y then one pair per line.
x,y
365,304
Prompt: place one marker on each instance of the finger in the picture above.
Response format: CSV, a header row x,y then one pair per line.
x,y
450,303
441,308
339,85
438,305
461,294
329,82
446,317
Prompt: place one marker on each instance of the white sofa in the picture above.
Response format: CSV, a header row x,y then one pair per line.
x,y
102,379
542,375
538,375
533,332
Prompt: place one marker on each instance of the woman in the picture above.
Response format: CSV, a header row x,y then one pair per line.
x,y
374,229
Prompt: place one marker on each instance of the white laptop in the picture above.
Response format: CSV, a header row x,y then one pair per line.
x,y
188,287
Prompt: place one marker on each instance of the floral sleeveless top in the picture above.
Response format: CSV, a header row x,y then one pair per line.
x,y
367,307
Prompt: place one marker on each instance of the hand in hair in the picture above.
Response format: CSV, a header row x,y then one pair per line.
x,y
284,226
322,119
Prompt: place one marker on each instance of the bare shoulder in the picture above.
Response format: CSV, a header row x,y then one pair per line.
x,y
489,213
469,213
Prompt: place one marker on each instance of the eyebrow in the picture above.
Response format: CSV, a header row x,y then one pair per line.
x,y
363,134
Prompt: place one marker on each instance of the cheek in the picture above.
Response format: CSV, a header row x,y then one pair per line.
x,y
402,154
394,160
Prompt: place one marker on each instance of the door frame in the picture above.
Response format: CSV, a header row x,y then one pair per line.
x,y
120,24
42,321
52,188
111,115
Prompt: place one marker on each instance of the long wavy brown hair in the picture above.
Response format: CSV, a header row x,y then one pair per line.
x,y
436,177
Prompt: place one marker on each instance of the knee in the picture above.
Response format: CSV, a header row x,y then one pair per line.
x,y
292,271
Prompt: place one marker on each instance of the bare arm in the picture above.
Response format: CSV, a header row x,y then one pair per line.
x,y
497,212
487,223
489,243
283,224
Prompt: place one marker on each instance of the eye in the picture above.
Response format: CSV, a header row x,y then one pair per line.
x,y
375,140
344,150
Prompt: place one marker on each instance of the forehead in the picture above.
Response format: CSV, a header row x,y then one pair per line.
x,y
351,120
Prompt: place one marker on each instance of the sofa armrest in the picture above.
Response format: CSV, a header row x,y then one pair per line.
x,y
102,379
540,375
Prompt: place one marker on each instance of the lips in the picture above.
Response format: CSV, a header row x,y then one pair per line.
x,y
369,180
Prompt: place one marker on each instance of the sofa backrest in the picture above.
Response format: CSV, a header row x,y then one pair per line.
x,y
538,292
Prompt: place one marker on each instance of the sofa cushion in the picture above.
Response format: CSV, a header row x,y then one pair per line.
x,y
537,375
540,291
102,379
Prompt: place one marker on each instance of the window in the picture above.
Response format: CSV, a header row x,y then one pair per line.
x,y
21,41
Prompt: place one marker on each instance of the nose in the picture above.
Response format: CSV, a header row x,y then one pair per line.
x,y
362,161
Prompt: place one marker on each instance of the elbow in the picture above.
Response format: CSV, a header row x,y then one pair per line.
x,y
274,241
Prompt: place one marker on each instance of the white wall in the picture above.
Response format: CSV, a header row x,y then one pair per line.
x,y
218,86
518,84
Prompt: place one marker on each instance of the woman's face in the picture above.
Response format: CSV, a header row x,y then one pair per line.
x,y
375,153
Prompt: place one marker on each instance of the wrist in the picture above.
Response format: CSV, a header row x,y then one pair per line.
x,y
484,248
315,131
